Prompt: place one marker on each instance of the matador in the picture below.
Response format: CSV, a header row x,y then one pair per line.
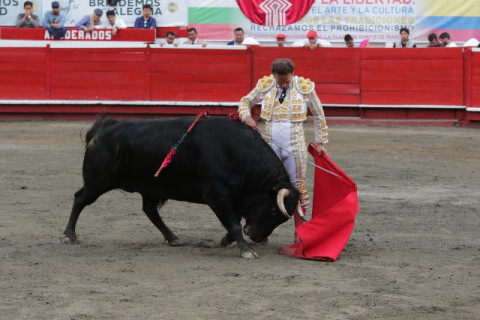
x,y
285,101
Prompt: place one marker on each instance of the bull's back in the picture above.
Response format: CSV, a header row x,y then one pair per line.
x,y
218,150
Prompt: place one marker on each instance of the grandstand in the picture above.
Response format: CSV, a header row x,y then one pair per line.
x,y
131,74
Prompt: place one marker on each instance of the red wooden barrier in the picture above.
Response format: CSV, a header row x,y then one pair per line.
x,y
402,78
98,74
180,32
23,73
335,71
198,75
474,82
427,76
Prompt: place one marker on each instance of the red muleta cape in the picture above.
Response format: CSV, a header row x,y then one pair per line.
x,y
335,205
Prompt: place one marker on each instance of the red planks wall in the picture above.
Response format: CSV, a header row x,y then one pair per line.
x,y
98,74
473,90
426,76
199,75
23,73
335,71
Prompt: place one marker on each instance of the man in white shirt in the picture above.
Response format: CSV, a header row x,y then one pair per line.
x,y
193,38
445,40
312,41
170,40
114,23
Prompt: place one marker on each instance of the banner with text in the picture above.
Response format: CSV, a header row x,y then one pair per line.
x,y
377,20
168,13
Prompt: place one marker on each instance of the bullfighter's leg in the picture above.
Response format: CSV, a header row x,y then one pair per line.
x,y
150,207
226,213
83,198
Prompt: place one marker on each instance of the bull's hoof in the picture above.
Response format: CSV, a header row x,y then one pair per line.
x,y
69,239
175,242
250,255
226,241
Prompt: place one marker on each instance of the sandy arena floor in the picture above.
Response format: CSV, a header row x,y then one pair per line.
x,y
414,253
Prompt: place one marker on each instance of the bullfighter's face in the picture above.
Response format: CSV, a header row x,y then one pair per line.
x,y
283,80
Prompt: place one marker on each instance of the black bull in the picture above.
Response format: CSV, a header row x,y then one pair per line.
x,y
222,163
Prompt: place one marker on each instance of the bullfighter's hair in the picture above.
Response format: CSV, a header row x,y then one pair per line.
x,y
282,66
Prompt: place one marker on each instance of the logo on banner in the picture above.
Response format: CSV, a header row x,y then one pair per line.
x,y
172,7
275,12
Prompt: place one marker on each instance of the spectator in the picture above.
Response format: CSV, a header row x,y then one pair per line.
x,y
433,40
54,20
281,40
170,39
114,23
405,41
446,41
349,41
146,21
238,34
193,38
91,21
27,19
250,41
312,41
471,43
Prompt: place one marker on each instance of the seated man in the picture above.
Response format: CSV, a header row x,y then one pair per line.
x,y
446,41
91,21
54,20
146,21
404,42
193,38
349,41
27,19
238,34
170,39
281,40
114,23
433,40
312,41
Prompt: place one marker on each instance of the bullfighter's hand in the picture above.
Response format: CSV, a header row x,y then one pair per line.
x,y
319,147
252,123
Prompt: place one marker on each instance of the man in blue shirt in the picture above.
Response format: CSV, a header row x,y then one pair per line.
x,y
146,21
54,20
91,21
239,34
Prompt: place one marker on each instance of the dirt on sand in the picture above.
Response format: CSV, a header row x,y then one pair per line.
x,y
414,253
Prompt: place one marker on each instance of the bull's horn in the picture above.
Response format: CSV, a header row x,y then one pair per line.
x,y
282,193
300,211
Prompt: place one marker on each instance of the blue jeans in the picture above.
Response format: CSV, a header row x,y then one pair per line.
x,y
57,33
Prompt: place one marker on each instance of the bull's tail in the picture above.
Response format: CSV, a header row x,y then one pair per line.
x,y
101,123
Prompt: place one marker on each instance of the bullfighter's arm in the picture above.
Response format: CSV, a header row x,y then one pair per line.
x,y
319,124
247,102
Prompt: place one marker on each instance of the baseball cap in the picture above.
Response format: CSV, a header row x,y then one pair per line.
x,y
281,36
98,12
312,34
55,4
